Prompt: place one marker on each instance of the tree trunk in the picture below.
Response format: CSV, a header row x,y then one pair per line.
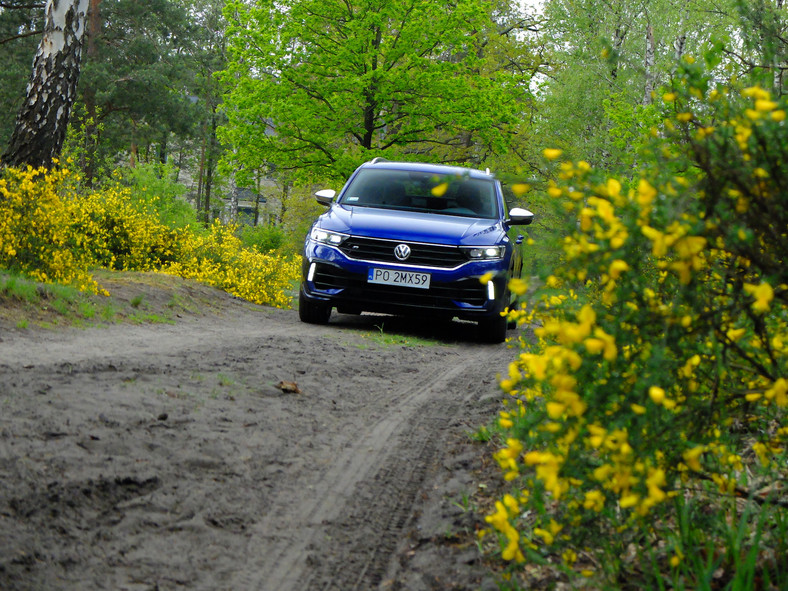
x,y
90,151
210,164
43,119
651,50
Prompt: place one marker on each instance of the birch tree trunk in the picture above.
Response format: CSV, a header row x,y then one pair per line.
x,y
43,119
651,50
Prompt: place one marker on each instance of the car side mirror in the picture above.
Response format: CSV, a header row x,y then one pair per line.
x,y
520,217
325,196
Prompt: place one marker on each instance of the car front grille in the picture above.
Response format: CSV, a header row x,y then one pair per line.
x,y
424,255
440,296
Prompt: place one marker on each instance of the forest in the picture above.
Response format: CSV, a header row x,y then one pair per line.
x,y
191,89
644,426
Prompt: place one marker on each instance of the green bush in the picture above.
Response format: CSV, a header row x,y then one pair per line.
x,y
153,189
263,238
645,431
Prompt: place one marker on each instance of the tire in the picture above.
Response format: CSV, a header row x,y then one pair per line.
x,y
312,312
493,330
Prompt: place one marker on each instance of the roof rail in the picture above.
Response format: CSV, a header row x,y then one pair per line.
x,y
377,159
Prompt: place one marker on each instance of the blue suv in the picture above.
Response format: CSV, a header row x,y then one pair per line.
x,y
413,239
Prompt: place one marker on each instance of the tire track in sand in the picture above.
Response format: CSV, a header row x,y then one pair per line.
x,y
342,536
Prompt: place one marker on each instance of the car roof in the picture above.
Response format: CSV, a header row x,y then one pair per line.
x,y
426,167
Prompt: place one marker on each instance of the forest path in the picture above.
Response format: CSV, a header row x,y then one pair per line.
x,y
163,456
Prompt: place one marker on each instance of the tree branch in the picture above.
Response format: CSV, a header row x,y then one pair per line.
x,y
21,36
13,6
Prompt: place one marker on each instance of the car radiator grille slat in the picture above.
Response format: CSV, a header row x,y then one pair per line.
x,y
426,255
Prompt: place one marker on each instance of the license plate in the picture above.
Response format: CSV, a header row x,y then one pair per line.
x,y
394,277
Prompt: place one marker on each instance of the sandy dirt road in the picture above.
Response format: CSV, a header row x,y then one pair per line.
x,y
162,456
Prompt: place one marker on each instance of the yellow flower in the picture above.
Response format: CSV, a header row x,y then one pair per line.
x,y
555,410
486,278
594,500
669,97
778,392
617,267
440,190
691,457
756,92
593,345
552,153
629,500
520,189
765,105
646,193
656,394
763,294
569,557
517,286
545,535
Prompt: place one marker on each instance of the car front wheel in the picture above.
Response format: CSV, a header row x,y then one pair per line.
x,y
493,330
312,312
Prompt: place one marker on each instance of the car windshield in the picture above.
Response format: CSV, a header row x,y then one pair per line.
x,y
457,195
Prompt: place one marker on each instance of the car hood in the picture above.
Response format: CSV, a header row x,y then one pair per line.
x,y
410,226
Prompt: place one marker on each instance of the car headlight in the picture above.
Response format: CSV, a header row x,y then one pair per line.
x,y
485,253
326,237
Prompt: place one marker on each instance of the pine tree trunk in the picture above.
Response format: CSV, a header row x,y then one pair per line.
x,y
43,119
90,151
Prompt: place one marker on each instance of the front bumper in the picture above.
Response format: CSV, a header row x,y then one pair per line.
x,y
330,277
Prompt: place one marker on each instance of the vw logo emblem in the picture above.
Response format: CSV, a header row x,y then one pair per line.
x,y
402,252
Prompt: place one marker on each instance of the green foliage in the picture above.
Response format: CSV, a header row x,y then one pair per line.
x,y
153,189
646,430
133,79
81,148
18,287
595,97
262,238
65,300
372,79
630,127
20,31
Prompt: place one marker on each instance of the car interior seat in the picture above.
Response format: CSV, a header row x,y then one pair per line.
x,y
468,197
394,194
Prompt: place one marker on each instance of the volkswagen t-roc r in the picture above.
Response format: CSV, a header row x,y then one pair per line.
x,y
413,239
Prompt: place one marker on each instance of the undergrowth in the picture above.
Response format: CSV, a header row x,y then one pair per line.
x,y
644,434
54,230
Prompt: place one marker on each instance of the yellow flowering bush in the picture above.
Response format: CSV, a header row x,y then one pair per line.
x,y
52,232
35,229
218,259
650,417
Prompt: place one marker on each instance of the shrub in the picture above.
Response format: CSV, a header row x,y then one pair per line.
x,y
52,233
262,238
218,259
645,430
35,229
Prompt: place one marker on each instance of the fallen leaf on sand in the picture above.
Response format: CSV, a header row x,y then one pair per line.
x,y
288,387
